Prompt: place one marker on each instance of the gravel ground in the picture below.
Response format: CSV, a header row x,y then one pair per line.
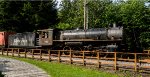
x,y
15,68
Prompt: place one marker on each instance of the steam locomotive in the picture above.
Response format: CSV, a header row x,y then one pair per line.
x,y
96,38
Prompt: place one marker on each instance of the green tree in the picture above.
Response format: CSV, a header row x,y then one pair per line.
x,y
135,19
27,15
72,13
97,13
9,14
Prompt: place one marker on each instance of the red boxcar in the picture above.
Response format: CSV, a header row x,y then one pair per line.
x,y
4,38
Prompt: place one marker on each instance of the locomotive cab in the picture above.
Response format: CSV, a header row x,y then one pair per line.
x,y
45,37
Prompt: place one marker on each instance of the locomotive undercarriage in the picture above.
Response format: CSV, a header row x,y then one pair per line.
x,y
85,45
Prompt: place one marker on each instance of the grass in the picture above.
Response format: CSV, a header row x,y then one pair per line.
x,y
65,70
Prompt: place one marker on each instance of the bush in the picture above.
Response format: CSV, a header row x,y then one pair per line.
x,y
145,39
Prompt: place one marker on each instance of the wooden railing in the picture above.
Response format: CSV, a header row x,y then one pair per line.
x,y
114,60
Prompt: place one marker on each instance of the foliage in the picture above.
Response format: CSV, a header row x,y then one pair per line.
x,y
145,39
135,19
63,26
27,15
71,13
97,13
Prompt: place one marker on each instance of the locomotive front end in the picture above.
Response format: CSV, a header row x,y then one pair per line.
x,y
115,33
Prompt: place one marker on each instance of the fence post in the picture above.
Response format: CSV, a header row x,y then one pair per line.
x,y
40,54
135,62
18,52
70,57
7,52
25,53
98,58
2,51
49,55
12,52
115,60
32,53
59,56
83,57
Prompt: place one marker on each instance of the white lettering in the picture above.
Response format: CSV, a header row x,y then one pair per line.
x,y
16,41
23,42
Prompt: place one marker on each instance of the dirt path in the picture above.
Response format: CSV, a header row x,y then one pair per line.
x,y
15,68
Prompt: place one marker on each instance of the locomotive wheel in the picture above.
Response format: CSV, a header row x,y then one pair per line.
x,y
68,49
89,48
77,50
56,48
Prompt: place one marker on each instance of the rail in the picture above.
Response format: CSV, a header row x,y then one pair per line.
x,y
113,60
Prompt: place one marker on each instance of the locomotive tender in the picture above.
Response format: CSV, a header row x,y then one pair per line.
x,y
51,38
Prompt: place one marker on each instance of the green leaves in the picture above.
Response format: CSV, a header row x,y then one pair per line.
x,y
145,39
24,16
63,26
71,12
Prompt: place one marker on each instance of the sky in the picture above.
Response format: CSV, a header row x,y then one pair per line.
x,y
58,3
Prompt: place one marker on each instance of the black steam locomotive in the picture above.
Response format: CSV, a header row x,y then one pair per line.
x,y
79,39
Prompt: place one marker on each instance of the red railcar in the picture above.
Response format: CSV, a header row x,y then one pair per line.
x,y
4,38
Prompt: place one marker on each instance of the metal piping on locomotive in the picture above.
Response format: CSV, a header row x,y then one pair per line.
x,y
115,33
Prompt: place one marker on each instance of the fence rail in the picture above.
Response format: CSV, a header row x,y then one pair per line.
x,y
113,60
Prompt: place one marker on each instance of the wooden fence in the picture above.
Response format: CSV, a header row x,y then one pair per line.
x,y
139,62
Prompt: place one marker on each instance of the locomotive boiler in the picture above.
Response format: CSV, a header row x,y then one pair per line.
x,y
93,34
92,38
